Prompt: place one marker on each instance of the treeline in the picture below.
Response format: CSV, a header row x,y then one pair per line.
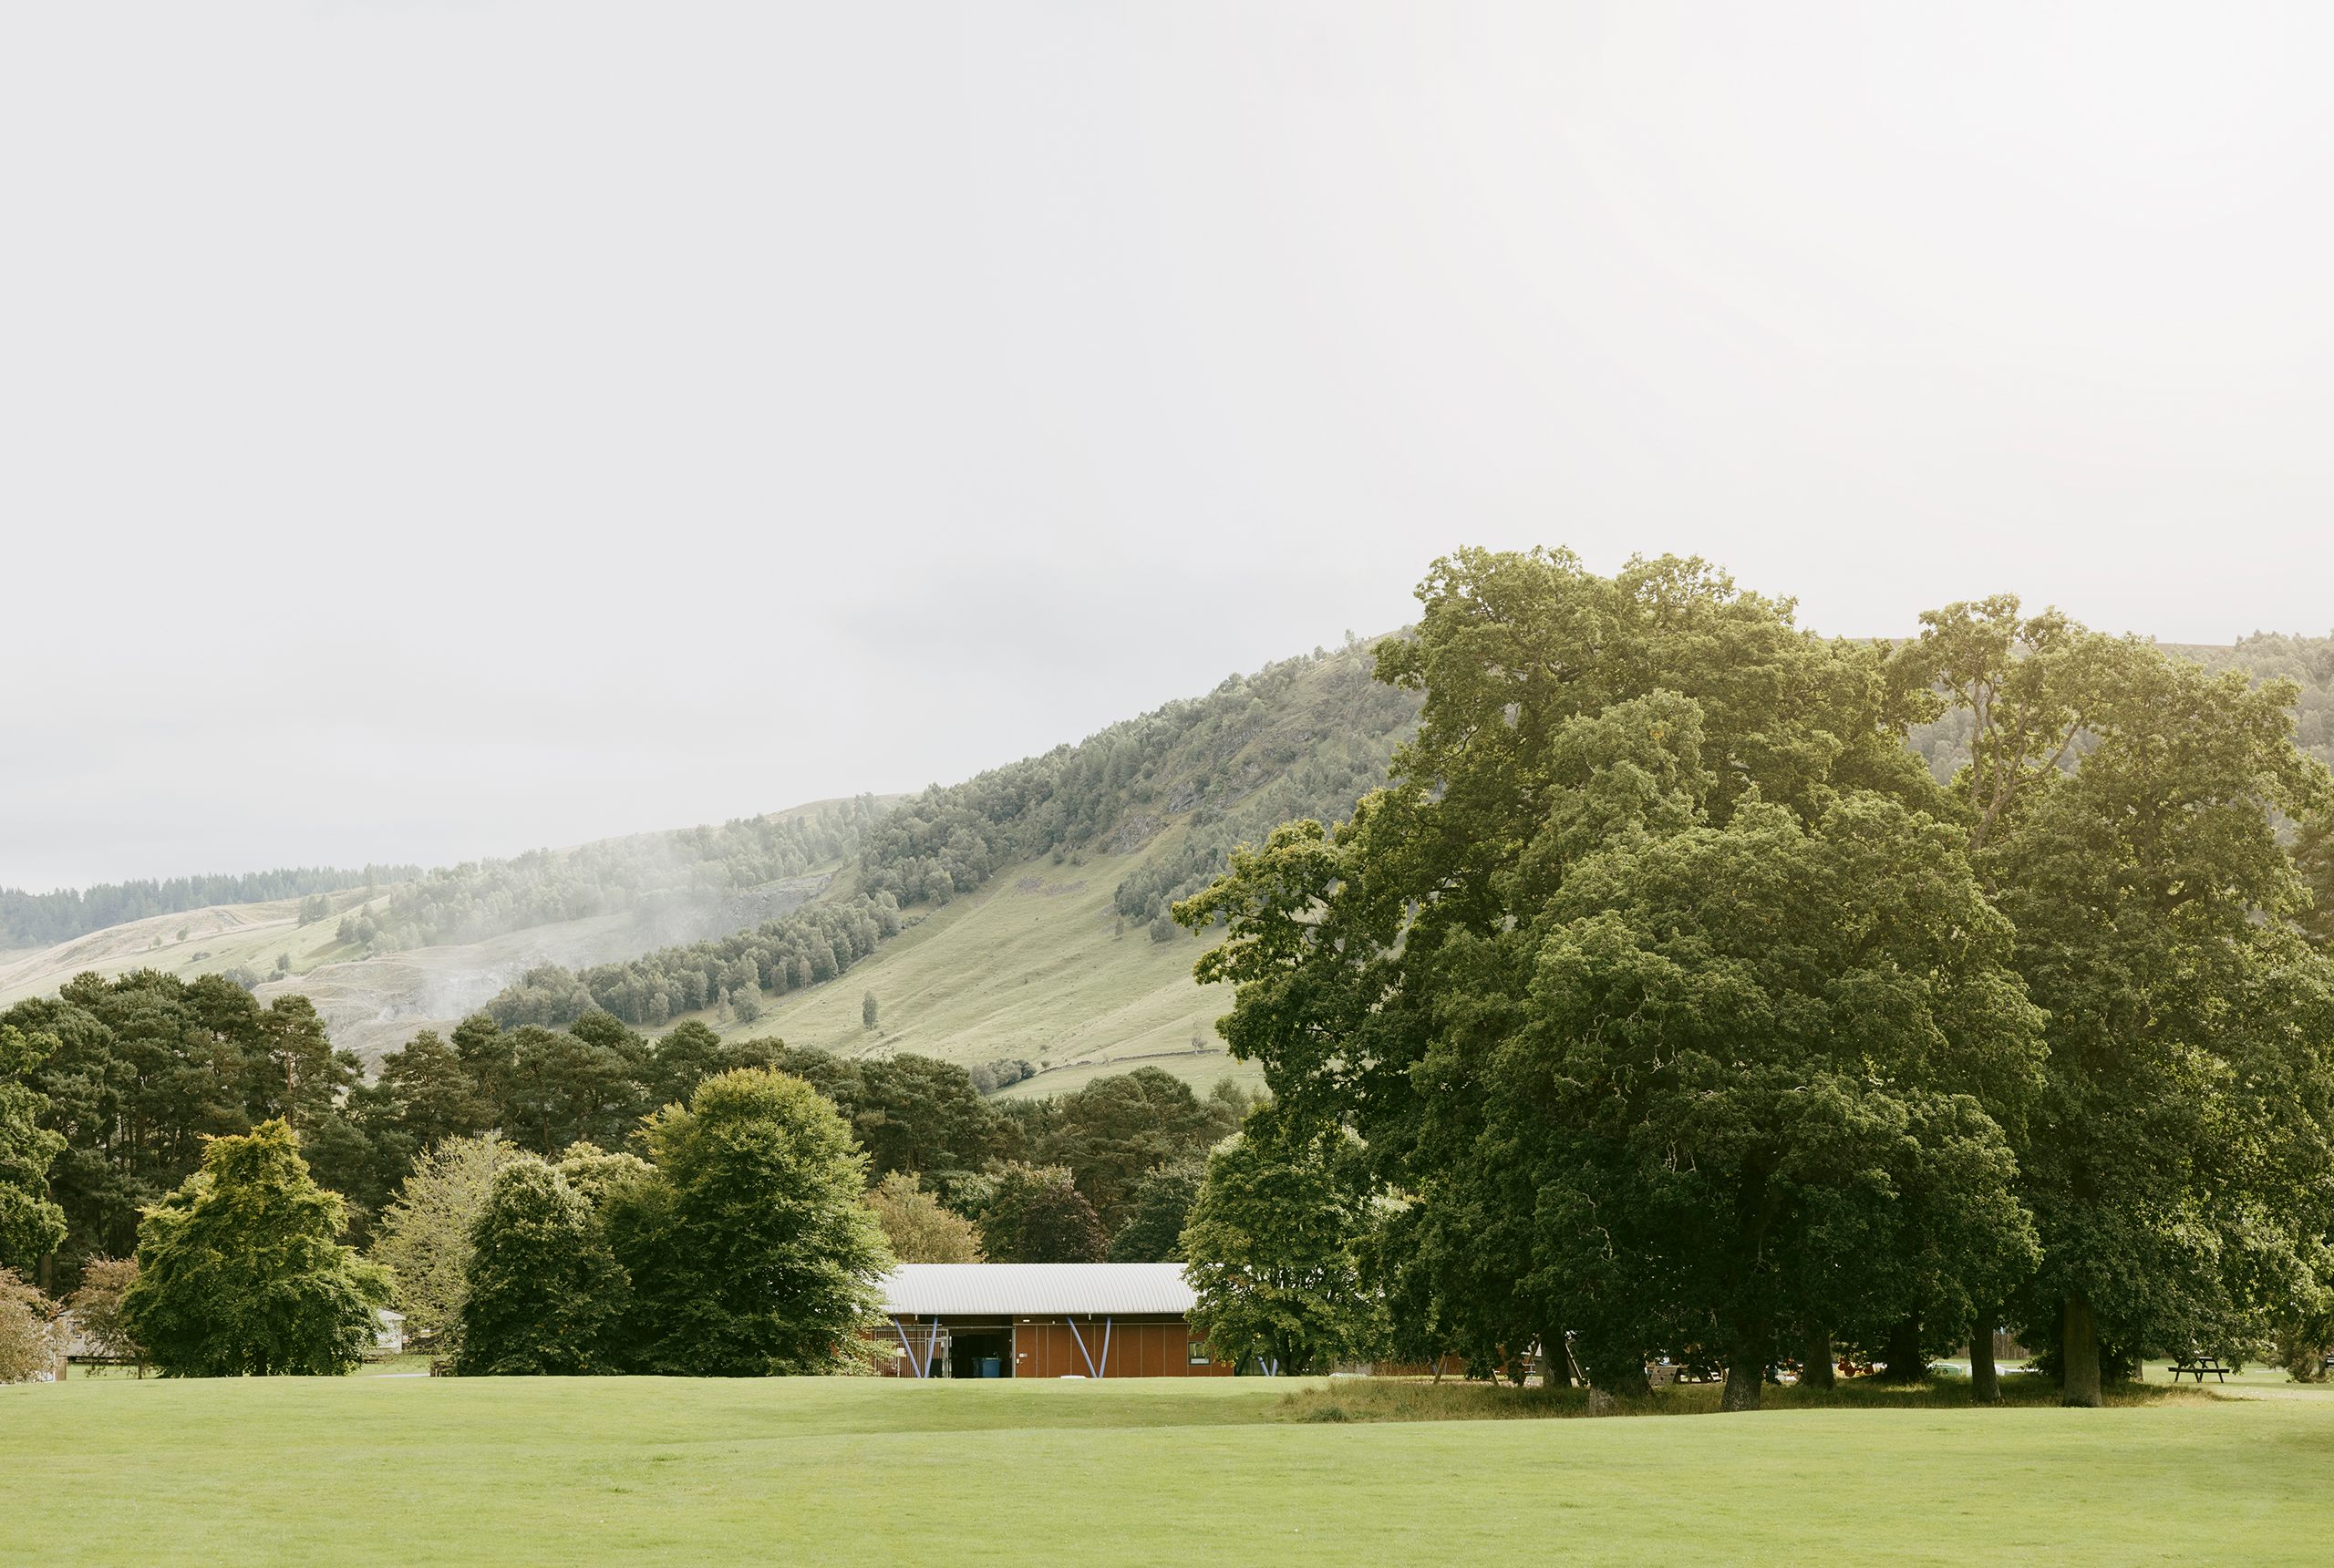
x,y
1664,1007
135,1073
733,975
746,1243
40,920
128,1079
646,875
1306,735
546,1090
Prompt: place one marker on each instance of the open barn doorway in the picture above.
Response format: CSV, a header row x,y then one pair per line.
x,y
973,1347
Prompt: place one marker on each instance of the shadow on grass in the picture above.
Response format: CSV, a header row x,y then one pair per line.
x,y
1400,1399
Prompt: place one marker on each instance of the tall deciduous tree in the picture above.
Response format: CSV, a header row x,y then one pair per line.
x,y
1161,1204
1740,1097
239,1272
2180,1155
424,1236
918,1229
1387,977
1271,1249
1059,1226
1001,1219
31,1223
543,1295
750,1251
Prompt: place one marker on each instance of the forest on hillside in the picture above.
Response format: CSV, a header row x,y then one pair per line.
x,y
1306,736
41,920
644,875
1303,738
733,975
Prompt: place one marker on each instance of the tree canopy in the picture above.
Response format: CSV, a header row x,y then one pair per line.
x,y
145,1067
425,1235
238,1272
30,1224
543,1295
2120,807
1271,1244
1680,1009
749,1250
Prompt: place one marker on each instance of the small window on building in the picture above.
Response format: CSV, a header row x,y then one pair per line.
x,y
1199,1353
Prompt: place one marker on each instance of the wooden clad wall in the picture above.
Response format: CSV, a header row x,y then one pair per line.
x,y
1151,1348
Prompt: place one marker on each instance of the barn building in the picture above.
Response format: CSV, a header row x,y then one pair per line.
x,y
1043,1320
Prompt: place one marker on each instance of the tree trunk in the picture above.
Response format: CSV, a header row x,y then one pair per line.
x,y
1555,1366
1815,1368
1743,1379
2079,1350
1985,1385
1616,1375
1903,1354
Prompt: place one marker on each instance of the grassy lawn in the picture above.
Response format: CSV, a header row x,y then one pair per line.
x,y
420,1470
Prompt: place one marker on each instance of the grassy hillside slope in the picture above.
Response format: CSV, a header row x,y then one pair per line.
x,y
215,940
1029,902
374,1000
1038,966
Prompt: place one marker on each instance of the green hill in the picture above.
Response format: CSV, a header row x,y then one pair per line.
x,y
1007,917
1038,966
1021,915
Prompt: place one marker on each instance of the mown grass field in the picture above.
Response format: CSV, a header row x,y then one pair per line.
x,y
1169,1471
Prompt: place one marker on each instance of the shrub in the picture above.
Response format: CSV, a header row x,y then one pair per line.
x,y
97,1308
31,1337
919,1229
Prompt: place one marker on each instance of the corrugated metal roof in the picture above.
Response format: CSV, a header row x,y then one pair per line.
x,y
1036,1290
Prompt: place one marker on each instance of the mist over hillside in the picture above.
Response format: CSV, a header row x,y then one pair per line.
x,y
734,924
646,876
1304,737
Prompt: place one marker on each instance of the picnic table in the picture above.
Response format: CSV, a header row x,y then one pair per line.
x,y
2198,1366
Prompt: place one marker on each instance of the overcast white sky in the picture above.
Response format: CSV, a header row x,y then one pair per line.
x,y
431,430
